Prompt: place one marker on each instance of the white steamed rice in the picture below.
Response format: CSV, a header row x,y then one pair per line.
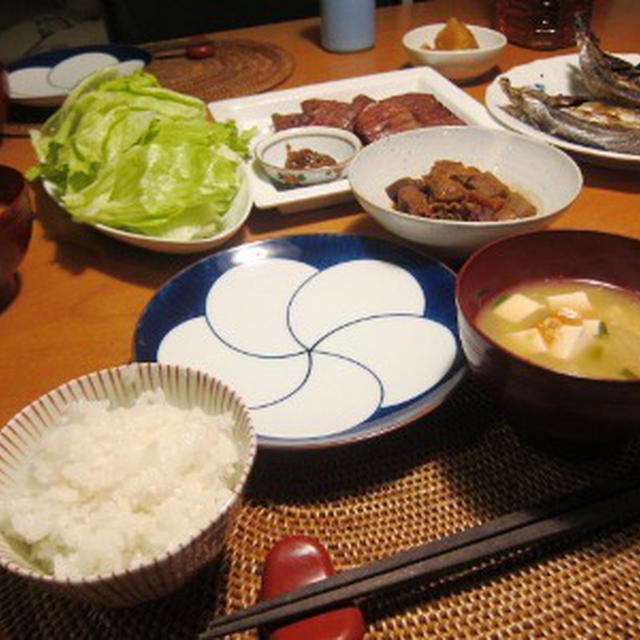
x,y
110,488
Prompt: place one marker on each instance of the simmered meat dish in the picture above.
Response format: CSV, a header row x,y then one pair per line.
x,y
453,191
371,119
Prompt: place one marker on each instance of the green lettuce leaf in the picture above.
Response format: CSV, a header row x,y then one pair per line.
x,y
123,151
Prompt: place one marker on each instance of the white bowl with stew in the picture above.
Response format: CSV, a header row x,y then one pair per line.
x,y
306,155
545,176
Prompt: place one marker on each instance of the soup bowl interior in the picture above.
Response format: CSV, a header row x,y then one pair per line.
x,y
537,400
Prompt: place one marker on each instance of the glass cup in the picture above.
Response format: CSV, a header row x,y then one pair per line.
x,y
347,25
540,24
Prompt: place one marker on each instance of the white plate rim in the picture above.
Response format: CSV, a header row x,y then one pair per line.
x,y
528,73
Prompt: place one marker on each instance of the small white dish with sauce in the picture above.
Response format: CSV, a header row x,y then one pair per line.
x,y
306,155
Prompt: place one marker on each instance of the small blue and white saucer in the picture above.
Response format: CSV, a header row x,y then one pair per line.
x,y
47,78
328,338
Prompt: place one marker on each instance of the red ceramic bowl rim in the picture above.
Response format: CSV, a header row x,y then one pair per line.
x,y
15,184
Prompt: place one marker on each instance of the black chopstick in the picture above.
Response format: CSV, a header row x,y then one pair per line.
x,y
171,45
579,512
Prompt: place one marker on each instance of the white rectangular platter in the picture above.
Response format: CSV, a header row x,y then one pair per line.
x,y
255,111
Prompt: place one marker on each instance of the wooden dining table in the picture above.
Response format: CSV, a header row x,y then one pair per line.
x,y
81,294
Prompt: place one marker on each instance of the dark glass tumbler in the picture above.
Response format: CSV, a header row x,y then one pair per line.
x,y
540,24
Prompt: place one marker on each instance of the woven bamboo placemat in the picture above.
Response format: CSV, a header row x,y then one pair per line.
x,y
456,468
237,68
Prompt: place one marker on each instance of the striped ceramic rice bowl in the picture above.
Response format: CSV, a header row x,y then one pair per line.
x,y
34,447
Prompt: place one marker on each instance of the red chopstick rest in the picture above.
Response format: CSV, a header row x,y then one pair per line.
x,y
297,561
199,51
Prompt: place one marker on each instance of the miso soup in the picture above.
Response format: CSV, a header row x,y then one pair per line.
x,y
576,327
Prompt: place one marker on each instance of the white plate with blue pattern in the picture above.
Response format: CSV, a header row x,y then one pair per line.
x,y
46,79
330,338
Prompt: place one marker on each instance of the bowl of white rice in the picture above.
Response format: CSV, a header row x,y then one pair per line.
x,y
116,487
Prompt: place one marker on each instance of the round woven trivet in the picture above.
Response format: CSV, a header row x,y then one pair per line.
x,y
456,468
237,68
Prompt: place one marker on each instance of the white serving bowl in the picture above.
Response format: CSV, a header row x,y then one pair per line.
x,y
271,154
234,218
184,388
548,177
463,64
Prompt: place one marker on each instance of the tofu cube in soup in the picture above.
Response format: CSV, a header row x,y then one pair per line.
x,y
577,300
517,308
569,340
528,341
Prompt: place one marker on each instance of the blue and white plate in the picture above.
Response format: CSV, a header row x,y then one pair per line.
x,y
329,339
47,78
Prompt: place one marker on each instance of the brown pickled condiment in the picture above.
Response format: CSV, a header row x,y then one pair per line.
x,y
307,159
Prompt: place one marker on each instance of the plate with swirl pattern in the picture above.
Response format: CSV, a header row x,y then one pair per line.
x,y
329,338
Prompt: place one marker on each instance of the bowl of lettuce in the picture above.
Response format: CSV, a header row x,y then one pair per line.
x,y
144,164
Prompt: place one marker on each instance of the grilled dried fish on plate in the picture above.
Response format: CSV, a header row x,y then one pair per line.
x,y
606,76
578,119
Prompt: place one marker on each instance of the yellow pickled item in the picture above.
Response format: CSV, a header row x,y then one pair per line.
x,y
455,35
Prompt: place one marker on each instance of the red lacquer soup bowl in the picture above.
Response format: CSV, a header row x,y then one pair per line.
x,y
542,402
4,97
16,222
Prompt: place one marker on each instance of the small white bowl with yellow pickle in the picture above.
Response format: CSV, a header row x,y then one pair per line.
x,y
423,45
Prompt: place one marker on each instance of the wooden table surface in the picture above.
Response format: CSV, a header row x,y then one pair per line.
x,y
82,293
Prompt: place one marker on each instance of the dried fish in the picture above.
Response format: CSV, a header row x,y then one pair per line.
x,y
577,119
607,77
